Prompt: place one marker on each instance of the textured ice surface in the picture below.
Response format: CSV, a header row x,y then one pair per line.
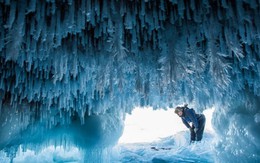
x,y
64,63
175,148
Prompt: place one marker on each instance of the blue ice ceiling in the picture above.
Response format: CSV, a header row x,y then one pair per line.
x,y
76,67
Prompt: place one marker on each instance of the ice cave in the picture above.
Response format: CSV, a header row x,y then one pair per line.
x,y
71,71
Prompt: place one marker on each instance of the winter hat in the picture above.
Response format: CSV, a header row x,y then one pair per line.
x,y
178,109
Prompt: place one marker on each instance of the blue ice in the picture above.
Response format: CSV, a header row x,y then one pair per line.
x,y
70,71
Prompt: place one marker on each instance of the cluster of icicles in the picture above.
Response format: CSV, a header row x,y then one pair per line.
x,y
93,57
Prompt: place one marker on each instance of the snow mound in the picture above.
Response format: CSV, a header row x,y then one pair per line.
x,y
176,148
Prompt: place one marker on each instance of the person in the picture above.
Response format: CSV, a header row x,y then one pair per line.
x,y
198,121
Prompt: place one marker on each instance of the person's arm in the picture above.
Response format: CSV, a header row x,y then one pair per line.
x,y
185,123
192,115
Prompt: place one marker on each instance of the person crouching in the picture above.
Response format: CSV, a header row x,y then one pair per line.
x,y
188,115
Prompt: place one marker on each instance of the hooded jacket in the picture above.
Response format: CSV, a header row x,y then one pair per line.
x,y
188,116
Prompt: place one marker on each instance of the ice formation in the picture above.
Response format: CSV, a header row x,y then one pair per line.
x,y
74,68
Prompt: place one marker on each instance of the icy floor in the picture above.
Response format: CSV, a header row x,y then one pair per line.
x,y
170,149
143,141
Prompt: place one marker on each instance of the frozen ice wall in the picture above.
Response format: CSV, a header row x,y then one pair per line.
x,y
75,68
237,124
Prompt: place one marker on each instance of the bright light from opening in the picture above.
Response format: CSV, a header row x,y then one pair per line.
x,y
146,125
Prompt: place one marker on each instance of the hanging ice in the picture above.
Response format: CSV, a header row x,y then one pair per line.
x,y
73,65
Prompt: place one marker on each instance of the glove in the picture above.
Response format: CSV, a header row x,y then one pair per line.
x,y
191,129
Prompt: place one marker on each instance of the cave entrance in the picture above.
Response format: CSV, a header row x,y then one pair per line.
x,y
147,125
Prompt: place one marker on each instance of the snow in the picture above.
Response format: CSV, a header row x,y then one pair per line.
x,y
50,154
147,125
71,71
174,148
160,136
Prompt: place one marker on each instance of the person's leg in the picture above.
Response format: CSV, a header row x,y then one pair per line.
x,y
199,133
192,134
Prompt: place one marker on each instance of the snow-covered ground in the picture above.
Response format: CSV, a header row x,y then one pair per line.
x,y
160,136
174,148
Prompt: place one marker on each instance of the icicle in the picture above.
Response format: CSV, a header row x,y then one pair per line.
x,y
242,33
92,18
128,20
1,105
155,18
81,16
122,7
40,20
249,30
31,7
58,34
172,19
97,32
240,10
53,8
7,2
97,7
181,8
134,39
71,15
162,5
154,40
188,15
11,16
142,12
70,2
80,21
220,14
1,39
206,3
21,18
88,11
224,4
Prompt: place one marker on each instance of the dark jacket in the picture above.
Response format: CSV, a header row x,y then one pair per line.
x,y
188,116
